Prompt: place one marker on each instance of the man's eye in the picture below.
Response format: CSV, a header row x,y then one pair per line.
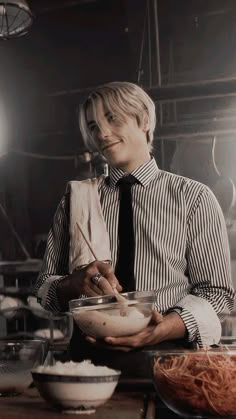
x,y
111,118
92,128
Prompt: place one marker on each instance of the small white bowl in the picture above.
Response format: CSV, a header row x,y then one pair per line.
x,y
76,393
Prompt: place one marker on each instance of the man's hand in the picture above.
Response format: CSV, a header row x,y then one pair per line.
x,y
79,282
159,329
82,279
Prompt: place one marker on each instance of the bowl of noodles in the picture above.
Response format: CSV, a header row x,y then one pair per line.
x,y
196,383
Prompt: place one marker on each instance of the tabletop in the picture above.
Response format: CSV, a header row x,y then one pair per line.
x,y
120,406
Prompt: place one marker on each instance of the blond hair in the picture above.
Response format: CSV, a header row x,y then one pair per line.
x,y
121,99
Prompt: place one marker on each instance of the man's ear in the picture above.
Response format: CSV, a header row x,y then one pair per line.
x,y
145,124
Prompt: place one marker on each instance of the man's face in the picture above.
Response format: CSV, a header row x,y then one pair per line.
x,y
123,143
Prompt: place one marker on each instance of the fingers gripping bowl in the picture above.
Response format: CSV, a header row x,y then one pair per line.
x,y
105,316
196,383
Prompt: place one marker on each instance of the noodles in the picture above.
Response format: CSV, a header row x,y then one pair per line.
x,y
197,383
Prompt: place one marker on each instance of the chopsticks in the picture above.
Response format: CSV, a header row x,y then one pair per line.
x,y
87,241
119,297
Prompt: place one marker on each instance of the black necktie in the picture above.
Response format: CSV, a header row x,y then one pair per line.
x,y
125,262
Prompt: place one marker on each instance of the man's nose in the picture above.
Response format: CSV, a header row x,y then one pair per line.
x,y
104,132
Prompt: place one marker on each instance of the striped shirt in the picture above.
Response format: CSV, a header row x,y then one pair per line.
x,y
181,246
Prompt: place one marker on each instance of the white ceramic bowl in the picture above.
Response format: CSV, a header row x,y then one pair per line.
x,y
72,393
105,316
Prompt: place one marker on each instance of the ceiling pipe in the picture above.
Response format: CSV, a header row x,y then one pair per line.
x,y
197,90
158,59
197,129
65,5
172,92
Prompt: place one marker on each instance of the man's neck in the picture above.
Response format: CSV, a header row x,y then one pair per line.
x,y
130,167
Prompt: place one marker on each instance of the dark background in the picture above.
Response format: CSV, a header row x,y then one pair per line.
x,y
75,45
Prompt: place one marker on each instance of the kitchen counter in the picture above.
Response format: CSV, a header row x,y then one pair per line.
x,y
122,405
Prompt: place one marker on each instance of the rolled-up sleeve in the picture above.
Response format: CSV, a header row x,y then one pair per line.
x,y
55,262
212,294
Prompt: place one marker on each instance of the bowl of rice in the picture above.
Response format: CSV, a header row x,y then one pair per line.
x,y
107,315
196,383
75,387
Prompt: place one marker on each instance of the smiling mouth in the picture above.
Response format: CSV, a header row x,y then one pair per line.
x,y
110,145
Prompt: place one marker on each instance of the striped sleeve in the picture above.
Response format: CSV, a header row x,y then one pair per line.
x,y
208,258
55,262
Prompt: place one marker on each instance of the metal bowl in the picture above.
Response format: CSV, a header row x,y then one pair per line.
x,y
105,316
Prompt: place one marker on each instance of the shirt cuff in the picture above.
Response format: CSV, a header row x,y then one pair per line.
x,y
47,293
192,333
201,321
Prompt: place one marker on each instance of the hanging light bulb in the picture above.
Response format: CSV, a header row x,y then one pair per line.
x,y
15,18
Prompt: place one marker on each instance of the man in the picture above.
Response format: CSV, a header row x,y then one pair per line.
x,y
181,245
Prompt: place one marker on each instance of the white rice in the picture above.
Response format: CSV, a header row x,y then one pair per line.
x,y
85,368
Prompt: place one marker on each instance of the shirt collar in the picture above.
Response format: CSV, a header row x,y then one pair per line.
x,y
144,174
